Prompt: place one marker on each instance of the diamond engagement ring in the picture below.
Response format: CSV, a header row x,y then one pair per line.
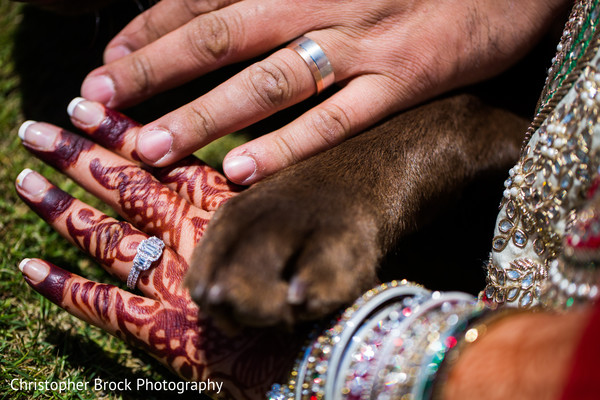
x,y
318,63
148,251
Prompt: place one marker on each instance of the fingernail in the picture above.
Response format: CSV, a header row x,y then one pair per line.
x,y
87,113
38,135
32,183
155,144
34,270
98,88
114,53
239,169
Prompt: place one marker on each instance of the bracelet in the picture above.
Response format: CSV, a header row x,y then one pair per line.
x,y
409,353
312,377
397,341
473,328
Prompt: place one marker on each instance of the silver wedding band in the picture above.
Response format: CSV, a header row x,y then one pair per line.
x,y
317,61
148,251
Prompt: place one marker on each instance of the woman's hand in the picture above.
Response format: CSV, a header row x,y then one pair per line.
x,y
176,207
389,55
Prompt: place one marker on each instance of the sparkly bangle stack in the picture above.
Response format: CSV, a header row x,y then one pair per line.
x,y
387,345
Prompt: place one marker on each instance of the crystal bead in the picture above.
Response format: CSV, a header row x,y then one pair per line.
x,y
510,209
530,179
527,281
541,218
520,238
583,174
553,213
501,277
500,296
513,274
505,225
489,292
499,243
526,299
512,294
567,159
538,246
565,181
546,190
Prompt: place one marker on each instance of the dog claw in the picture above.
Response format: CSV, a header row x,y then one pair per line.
x,y
216,294
198,292
297,291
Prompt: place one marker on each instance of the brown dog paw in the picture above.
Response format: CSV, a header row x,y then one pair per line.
x,y
307,240
284,251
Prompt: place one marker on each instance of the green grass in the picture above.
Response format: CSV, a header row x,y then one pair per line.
x,y
38,340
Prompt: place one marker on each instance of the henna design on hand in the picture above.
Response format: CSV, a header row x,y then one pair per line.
x,y
107,232
167,325
167,213
198,183
66,152
54,204
175,334
110,133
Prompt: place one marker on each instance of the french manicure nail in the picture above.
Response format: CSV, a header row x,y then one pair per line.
x,y
239,169
114,53
34,270
87,113
98,88
38,135
32,183
155,144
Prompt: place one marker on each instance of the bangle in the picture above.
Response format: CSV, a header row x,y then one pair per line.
x,y
313,374
409,352
473,328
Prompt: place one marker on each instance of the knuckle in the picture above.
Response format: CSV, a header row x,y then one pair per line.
x,y
286,149
142,73
202,120
331,123
270,84
209,37
110,236
197,7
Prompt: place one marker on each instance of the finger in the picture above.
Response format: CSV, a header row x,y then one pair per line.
x,y
157,21
191,178
134,193
197,183
319,129
260,90
206,43
112,243
169,332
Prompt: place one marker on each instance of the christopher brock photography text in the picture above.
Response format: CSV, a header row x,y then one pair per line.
x,y
125,385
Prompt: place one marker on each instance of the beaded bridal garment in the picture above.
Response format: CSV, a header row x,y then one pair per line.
x,y
547,231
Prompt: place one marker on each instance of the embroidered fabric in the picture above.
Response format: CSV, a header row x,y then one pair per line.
x,y
550,182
